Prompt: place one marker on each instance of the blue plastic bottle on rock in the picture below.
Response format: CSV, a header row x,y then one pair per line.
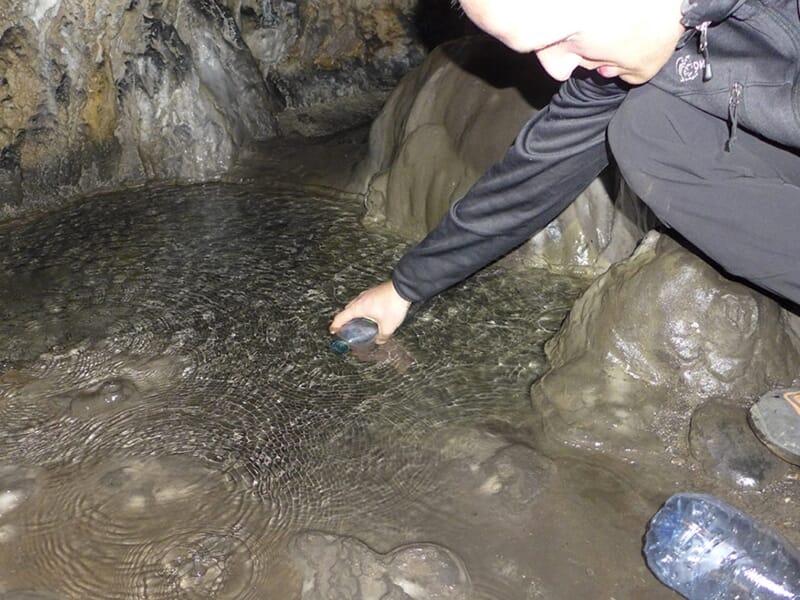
x,y
706,549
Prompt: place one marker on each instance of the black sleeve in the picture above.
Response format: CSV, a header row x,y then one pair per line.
x,y
555,157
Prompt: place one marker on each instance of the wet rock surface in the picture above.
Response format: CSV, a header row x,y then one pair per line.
x,y
433,139
339,568
721,439
98,95
651,341
537,515
102,95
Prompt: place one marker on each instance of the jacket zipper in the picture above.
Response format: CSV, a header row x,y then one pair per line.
x,y
737,91
703,47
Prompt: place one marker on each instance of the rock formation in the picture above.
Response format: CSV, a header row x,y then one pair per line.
x,y
337,567
118,92
650,342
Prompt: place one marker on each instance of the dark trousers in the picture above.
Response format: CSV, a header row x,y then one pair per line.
x,y
741,208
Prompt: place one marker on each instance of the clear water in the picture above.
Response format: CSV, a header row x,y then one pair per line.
x,y
171,414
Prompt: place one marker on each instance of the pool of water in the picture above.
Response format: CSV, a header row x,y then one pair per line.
x,y
172,417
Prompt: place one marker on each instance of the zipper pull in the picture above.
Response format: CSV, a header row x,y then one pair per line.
x,y
733,114
703,47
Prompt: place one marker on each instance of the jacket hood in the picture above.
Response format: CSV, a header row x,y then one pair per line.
x,y
696,12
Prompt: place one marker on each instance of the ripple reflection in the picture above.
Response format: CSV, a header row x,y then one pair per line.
x,y
170,411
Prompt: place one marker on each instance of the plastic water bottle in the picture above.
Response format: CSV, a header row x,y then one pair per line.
x,y
357,333
706,549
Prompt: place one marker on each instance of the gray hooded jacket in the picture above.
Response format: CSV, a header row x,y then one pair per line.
x,y
747,75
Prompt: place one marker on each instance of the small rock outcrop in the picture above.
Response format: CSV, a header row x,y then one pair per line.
x,y
343,568
721,439
649,342
448,121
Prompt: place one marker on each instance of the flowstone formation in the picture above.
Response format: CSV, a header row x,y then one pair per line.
x,y
342,568
650,343
100,94
454,116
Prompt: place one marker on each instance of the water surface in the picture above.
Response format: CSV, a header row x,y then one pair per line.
x,y
171,415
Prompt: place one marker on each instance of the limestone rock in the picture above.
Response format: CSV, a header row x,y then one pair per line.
x,y
721,439
334,63
118,92
649,342
333,48
447,122
97,94
343,568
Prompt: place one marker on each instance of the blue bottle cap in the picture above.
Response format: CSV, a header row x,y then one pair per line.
x,y
340,346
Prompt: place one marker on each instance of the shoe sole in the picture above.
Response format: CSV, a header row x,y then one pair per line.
x,y
775,419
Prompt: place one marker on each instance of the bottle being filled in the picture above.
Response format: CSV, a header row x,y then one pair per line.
x,y
356,333
706,549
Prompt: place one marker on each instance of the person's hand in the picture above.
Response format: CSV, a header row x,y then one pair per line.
x,y
382,304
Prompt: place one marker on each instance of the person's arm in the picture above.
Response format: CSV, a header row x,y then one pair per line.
x,y
555,157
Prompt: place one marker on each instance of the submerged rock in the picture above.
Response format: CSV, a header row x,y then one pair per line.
x,y
17,485
504,478
343,568
652,340
448,121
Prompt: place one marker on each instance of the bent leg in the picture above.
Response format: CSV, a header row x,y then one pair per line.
x,y
741,208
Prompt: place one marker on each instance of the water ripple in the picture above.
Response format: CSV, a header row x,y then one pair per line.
x,y
170,411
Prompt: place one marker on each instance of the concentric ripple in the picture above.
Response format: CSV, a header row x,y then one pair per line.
x,y
107,509
170,409
195,565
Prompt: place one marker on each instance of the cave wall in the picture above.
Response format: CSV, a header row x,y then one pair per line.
x,y
109,93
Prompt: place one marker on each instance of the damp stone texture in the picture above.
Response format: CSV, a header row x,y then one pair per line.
x,y
105,94
317,52
444,126
341,568
650,342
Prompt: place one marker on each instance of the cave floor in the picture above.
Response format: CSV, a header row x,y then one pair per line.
x,y
173,417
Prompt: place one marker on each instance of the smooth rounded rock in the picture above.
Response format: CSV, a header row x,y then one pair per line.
x,y
344,568
110,395
17,484
649,342
722,441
